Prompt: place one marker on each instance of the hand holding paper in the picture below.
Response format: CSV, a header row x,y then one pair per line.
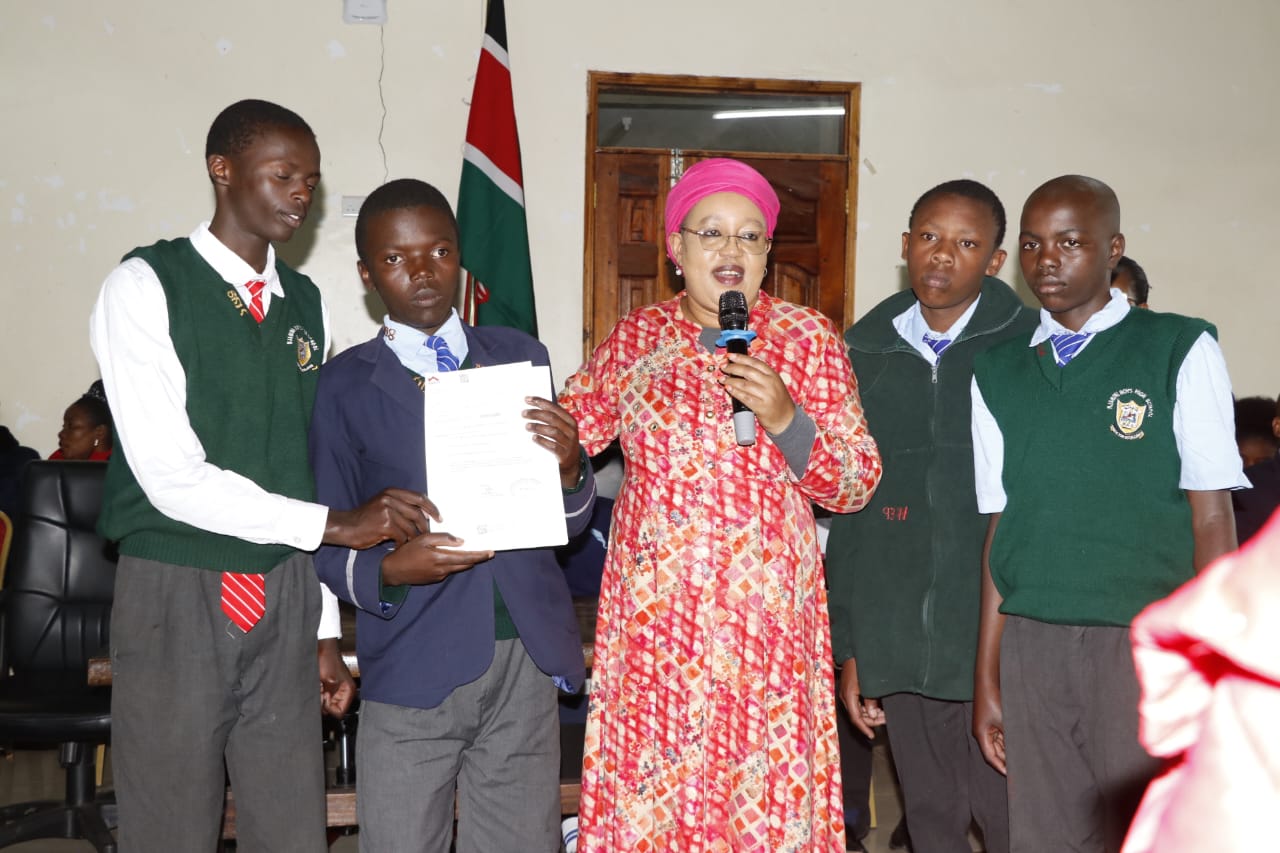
x,y
555,429
429,558
495,487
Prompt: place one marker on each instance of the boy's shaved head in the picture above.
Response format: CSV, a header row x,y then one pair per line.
x,y
1106,205
1068,244
240,124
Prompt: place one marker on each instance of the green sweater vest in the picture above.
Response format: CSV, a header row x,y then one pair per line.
x,y
1096,526
249,389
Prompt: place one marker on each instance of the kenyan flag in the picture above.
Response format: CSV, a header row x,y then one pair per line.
x,y
491,219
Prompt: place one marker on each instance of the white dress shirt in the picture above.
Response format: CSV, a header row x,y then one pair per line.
x,y
1203,415
912,326
146,384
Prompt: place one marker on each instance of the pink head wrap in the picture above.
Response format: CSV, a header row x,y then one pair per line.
x,y
719,175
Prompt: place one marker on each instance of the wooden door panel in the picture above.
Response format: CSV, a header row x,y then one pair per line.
x,y
629,269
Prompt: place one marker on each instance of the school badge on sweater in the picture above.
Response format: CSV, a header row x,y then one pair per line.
x,y
1131,407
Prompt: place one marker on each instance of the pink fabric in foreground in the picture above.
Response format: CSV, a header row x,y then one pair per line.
x,y
1208,657
719,175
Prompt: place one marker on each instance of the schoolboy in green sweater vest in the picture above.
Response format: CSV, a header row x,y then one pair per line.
x,y
905,572
209,348
1104,452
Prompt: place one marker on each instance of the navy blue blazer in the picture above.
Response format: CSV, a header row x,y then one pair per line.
x,y
366,436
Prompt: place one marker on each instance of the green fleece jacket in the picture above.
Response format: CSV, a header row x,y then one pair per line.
x,y
905,572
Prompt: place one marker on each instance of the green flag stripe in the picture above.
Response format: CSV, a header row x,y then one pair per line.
x,y
495,249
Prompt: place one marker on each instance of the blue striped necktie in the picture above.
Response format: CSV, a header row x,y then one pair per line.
x,y
936,344
445,360
1067,344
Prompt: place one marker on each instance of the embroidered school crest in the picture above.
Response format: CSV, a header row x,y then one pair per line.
x,y
308,349
1132,407
1129,417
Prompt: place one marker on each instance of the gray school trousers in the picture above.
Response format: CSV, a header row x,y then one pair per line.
x,y
192,694
494,742
1076,769
946,783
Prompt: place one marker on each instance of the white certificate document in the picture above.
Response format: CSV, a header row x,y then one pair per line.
x,y
495,488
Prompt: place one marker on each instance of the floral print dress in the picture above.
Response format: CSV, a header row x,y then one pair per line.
x,y
712,723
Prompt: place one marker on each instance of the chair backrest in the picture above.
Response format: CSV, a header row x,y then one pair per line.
x,y
61,573
6,537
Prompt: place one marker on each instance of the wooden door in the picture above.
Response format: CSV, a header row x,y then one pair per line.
x,y
627,261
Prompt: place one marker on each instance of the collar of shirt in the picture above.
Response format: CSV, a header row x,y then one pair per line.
x,y
912,327
233,268
409,344
1109,315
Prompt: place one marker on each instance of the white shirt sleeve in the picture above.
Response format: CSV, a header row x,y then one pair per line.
x,y
1204,421
330,618
988,455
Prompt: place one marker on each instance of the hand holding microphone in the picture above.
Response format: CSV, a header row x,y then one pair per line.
x,y
756,389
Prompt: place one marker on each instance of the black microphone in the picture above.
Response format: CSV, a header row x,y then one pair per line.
x,y
734,337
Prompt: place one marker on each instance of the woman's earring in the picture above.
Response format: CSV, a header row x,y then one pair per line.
x,y
679,270
95,442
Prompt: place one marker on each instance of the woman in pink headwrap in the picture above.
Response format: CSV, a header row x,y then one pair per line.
x,y
712,723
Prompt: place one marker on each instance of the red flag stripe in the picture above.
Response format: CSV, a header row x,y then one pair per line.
x,y
491,126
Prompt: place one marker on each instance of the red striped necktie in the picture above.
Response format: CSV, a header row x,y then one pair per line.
x,y
244,596
255,299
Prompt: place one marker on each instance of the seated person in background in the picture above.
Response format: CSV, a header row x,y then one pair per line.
x,y
1254,506
461,651
86,428
1131,280
1257,434
13,458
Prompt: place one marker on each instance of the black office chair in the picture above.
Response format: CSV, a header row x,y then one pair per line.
x,y
55,613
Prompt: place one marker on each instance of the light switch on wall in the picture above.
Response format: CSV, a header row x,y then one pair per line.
x,y
364,11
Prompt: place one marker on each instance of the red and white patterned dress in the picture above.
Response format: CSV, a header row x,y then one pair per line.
x,y
712,723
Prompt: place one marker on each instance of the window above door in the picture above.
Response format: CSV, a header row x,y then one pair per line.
x,y
758,122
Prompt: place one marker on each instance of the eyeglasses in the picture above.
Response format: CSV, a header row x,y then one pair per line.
x,y
752,242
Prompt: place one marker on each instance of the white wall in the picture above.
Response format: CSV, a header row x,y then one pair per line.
x,y
105,107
